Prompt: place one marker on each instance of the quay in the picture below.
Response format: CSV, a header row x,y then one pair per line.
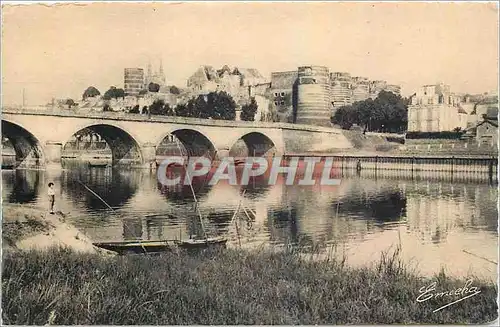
x,y
445,164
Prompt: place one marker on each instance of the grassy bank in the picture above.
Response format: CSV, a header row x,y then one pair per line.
x,y
61,287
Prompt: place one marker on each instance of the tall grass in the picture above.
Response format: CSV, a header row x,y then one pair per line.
x,y
233,287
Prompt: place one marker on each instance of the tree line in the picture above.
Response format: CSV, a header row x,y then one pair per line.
x,y
387,113
215,105
115,93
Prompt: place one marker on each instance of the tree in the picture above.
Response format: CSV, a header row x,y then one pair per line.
x,y
344,116
169,111
174,90
392,112
114,93
90,92
218,105
153,87
157,108
223,106
182,110
135,109
387,113
248,111
199,107
365,112
70,103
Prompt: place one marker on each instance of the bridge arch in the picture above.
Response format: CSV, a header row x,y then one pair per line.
x,y
257,145
195,143
125,150
27,148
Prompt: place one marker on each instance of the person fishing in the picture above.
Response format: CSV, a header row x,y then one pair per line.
x,y
52,197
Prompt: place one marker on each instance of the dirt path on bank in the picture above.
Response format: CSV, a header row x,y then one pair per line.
x,y
26,228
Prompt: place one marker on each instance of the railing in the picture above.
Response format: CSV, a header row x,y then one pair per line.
x,y
406,163
468,148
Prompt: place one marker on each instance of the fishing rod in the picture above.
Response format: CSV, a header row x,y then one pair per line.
x,y
235,222
192,190
97,195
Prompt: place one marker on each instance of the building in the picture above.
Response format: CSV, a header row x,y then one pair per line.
x,y
314,105
396,89
346,89
341,88
360,88
249,76
487,132
376,87
203,81
282,93
133,80
463,117
240,83
235,81
262,107
479,105
434,108
157,77
288,93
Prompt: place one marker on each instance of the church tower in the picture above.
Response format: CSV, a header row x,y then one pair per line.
x,y
149,75
161,74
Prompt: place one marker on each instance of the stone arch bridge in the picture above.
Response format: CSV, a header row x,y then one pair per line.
x,y
38,137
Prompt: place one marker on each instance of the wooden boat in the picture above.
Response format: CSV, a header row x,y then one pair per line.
x,y
148,247
145,247
135,247
99,164
215,243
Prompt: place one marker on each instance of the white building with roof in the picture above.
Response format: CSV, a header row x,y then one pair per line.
x,y
434,108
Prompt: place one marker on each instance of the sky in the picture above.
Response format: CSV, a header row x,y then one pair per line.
x,y
59,50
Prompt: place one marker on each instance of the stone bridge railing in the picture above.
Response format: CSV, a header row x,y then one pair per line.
x,y
123,116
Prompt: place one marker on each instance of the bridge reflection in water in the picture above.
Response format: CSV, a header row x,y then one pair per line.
x,y
433,219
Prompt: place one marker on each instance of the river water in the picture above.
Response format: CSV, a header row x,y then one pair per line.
x,y
439,223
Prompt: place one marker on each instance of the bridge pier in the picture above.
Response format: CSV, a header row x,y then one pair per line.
x,y
53,153
222,153
133,140
148,151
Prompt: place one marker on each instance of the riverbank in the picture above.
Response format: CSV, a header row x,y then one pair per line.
x,y
44,283
60,286
31,228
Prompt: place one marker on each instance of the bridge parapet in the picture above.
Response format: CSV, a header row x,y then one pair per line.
x,y
134,138
123,116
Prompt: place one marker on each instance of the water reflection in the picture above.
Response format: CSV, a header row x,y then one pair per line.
x,y
384,206
182,194
132,229
116,187
20,185
433,219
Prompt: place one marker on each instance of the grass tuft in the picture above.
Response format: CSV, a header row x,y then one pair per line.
x,y
62,287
